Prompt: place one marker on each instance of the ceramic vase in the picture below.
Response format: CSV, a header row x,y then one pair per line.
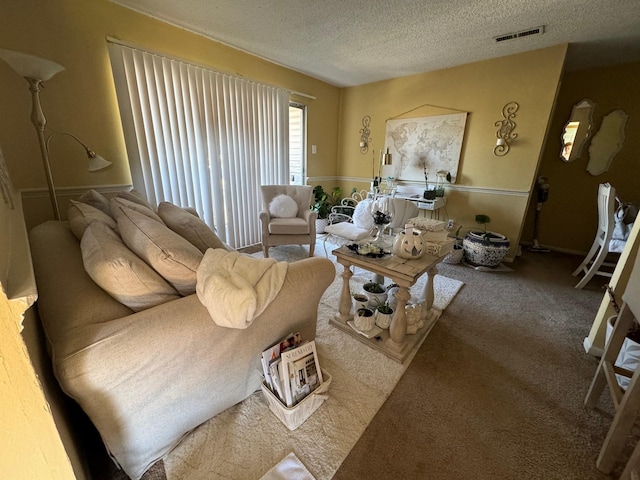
x,y
383,320
375,299
364,319
485,249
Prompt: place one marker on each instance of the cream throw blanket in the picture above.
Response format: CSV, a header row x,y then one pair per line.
x,y
236,288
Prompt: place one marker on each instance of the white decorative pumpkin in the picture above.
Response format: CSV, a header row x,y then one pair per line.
x,y
409,243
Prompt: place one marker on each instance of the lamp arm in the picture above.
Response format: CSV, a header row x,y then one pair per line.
x,y
90,153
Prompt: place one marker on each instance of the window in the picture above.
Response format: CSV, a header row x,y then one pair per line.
x,y
203,139
297,150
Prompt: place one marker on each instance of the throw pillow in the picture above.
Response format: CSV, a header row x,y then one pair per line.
x,y
283,206
96,199
81,215
120,273
135,196
189,226
173,257
362,216
118,202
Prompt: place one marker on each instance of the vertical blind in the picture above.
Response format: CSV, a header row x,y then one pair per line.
x,y
200,138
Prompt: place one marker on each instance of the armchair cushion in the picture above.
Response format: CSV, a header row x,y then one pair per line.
x,y
283,206
289,226
347,230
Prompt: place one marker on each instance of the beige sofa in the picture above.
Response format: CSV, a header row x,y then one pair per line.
x,y
146,379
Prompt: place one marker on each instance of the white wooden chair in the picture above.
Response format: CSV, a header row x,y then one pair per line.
x,y
343,229
595,259
626,402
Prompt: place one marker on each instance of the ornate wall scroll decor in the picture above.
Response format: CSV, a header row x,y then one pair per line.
x,y
505,129
365,131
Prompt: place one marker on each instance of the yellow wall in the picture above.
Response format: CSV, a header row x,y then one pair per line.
x,y
30,446
569,218
496,186
82,100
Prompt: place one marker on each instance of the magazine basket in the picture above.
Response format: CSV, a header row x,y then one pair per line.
x,y
295,416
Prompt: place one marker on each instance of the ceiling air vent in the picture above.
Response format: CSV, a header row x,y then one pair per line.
x,y
523,33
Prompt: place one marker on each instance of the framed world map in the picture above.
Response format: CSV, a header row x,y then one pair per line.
x,y
422,144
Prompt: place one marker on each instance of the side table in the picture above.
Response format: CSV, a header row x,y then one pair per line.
x,y
395,343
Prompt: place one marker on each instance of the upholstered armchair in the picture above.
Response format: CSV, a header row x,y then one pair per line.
x,y
282,223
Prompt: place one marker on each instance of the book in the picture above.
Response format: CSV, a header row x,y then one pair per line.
x,y
273,352
300,370
276,379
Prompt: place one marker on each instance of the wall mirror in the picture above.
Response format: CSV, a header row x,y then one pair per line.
x,y
607,142
577,130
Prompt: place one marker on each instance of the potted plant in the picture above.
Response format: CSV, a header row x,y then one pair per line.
x,y
483,248
364,319
377,293
360,299
323,202
384,313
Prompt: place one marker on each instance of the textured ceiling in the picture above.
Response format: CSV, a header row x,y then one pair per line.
x,y
352,42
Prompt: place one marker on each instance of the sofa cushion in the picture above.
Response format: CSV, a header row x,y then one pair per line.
x,y
96,199
136,197
189,226
172,256
120,273
81,215
117,202
283,206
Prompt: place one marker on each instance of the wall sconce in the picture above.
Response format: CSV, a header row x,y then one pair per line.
x,y
365,140
505,129
37,70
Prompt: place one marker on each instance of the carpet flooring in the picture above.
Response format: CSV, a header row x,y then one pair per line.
x,y
255,440
496,391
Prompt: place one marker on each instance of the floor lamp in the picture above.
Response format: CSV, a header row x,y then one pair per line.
x,y
37,70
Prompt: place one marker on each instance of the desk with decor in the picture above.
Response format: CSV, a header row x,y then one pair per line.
x,y
394,342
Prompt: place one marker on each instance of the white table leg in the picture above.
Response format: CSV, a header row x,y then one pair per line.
x,y
398,326
428,291
345,296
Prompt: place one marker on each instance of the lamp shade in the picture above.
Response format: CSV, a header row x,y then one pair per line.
x,y
97,163
30,66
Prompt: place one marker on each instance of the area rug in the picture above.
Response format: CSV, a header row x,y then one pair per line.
x,y
247,440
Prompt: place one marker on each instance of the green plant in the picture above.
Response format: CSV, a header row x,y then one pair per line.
x,y
323,201
373,287
385,308
483,219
